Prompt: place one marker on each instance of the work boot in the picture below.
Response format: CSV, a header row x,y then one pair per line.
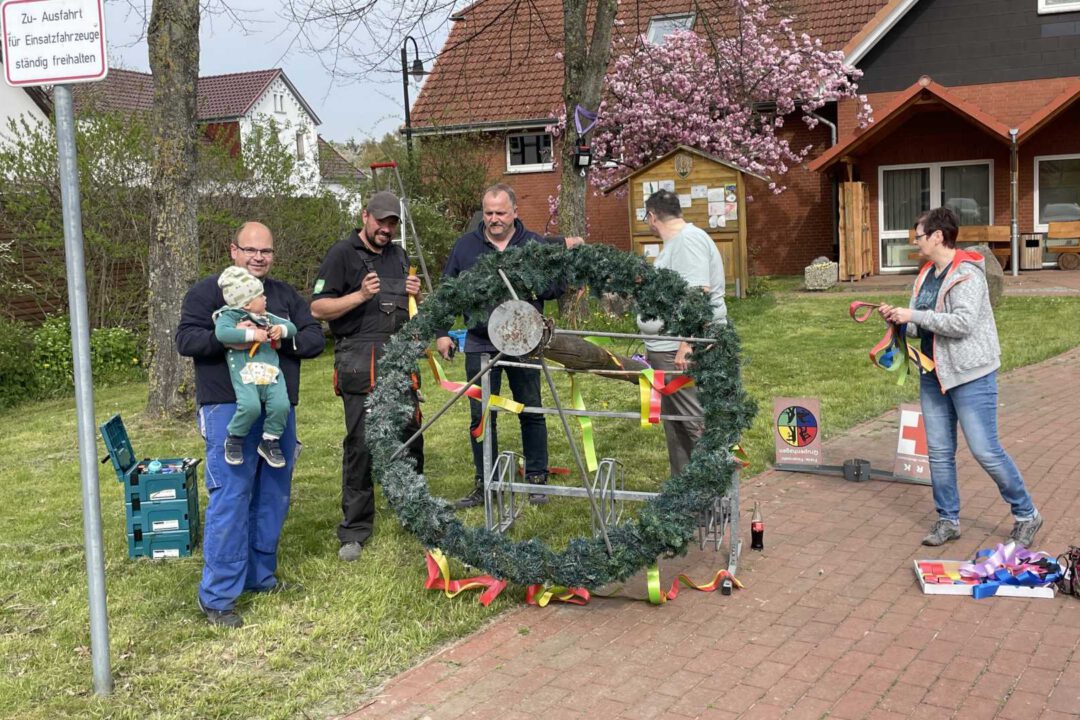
x,y
941,532
224,618
270,451
473,499
1023,531
234,450
350,551
537,498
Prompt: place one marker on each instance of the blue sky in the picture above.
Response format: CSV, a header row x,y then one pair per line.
x,y
347,108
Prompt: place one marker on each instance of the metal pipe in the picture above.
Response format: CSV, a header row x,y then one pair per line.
x,y
833,133
591,371
531,410
577,456
84,387
571,491
1014,192
633,336
458,393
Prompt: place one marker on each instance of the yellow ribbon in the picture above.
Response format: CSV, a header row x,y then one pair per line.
x,y
587,439
658,597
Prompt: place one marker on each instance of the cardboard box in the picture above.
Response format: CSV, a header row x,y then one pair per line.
x,y
951,569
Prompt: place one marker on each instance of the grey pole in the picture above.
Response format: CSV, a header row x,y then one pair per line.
x,y
84,388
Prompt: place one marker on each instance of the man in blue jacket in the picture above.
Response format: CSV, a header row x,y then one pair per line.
x,y
501,230
237,556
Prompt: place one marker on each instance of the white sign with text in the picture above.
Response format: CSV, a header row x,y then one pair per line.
x,y
49,42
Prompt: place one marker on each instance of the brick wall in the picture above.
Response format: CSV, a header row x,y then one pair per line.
x,y
785,232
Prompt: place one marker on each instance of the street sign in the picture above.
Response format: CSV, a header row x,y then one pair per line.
x,y
49,42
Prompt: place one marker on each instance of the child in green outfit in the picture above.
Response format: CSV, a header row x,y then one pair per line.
x,y
254,372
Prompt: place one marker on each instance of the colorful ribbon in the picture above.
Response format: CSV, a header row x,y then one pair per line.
x,y
588,441
541,595
439,579
1009,564
659,597
893,351
652,385
473,392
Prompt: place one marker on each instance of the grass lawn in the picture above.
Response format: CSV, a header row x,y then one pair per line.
x,y
315,653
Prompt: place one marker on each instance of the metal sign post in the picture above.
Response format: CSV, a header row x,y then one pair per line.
x,y
48,42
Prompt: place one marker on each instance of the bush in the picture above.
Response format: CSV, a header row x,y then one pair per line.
x,y
18,378
114,357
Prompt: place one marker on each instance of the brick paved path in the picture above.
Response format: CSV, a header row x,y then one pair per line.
x,y
831,623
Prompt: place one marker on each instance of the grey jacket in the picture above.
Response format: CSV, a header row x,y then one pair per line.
x,y
965,335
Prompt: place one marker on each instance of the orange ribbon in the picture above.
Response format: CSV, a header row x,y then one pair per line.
x,y
439,579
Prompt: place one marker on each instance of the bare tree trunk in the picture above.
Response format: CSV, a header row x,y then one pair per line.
x,y
585,62
579,354
173,39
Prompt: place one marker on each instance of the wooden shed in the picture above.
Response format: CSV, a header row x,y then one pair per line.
x,y
712,193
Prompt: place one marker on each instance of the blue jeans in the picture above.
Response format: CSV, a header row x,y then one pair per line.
x,y
246,512
525,387
974,405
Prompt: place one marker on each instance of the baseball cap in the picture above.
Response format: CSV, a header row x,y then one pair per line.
x,y
384,204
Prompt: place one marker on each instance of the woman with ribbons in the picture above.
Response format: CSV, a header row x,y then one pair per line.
x,y
951,316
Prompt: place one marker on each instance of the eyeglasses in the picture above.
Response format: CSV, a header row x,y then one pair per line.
x,y
919,236
253,252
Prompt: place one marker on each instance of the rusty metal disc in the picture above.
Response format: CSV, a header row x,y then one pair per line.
x,y
516,328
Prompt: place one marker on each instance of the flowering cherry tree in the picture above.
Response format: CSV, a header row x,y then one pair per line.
x,y
727,94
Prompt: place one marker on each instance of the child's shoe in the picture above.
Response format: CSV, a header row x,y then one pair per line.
x,y
270,451
234,450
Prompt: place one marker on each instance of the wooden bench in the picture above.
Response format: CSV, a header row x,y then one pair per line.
x,y
996,237
1068,255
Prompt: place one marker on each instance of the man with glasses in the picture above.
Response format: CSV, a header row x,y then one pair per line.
x,y
362,290
248,502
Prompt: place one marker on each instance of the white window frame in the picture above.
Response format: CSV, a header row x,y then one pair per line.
x,y
533,167
1045,9
301,145
1041,226
935,199
692,17
279,102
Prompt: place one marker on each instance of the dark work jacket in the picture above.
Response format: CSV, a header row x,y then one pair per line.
x,y
195,338
361,333
467,251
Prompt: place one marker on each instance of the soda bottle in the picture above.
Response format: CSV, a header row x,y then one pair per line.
x,y
757,529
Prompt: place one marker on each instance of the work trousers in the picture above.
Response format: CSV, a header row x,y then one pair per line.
x,y
247,509
357,490
681,436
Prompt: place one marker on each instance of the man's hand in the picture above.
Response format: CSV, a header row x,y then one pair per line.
x,y
243,325
412,285
275,332
445,347
260,335
682,356
369,288
573,242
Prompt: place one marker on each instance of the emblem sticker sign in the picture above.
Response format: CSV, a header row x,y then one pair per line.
x,y
912,456
797,430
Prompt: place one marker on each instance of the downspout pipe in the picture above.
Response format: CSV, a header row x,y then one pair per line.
x,y
835,185
1014,193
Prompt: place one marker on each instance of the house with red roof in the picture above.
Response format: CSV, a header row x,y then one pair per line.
x,y
31,103
948,80
228,108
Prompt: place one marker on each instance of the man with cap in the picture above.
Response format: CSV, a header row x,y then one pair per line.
x,y
363,290
249,500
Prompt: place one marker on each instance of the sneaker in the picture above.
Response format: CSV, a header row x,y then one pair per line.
x,y
270,451
224,618
476,497
536,498
350,551
941,532
234,450
1023,531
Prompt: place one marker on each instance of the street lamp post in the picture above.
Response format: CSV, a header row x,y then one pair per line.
x,y
417,71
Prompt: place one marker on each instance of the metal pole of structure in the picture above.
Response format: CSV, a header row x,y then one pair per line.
x,y
1014,221
84,389
405,90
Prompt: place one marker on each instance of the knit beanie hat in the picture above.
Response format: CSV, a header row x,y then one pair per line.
x,y
239,286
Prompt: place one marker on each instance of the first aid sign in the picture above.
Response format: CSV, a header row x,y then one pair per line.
x,y
52,42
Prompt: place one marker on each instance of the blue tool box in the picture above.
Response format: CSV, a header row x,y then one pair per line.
x,y
161,498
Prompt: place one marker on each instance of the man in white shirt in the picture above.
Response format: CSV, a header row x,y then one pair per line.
x,y
689,251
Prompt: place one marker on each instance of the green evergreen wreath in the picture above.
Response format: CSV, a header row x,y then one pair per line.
x,y
666,524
